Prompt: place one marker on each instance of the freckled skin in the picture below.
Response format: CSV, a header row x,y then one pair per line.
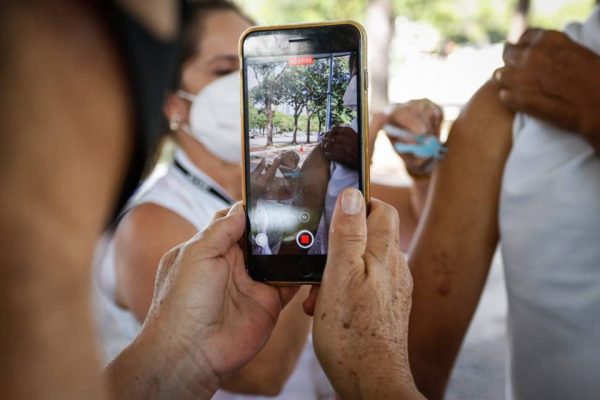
x,y
362,344
457,237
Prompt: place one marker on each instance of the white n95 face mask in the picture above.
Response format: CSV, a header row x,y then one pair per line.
x,y
215,117
350,97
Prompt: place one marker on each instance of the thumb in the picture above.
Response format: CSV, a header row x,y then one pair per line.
x,y
218,237
347,234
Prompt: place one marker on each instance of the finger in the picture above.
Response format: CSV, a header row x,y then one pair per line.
x,y
539,105
221,213
347,235
514,54
530,36
259,168
219,236
271,170
411,121
511,77
309,304
383,243
436,117
287,293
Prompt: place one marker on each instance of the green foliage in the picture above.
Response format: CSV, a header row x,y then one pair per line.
x,y
269,91
256,118
283,122
463,21
303,90
270,12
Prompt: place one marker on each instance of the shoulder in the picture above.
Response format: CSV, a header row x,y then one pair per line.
x,y
483,130
177,196
150,222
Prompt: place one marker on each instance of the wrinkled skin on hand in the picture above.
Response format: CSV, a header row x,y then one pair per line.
x,y
362,307
551,77
206,311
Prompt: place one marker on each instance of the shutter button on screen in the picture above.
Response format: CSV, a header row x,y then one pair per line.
x,y
305,239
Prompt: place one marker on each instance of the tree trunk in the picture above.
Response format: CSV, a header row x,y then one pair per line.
x,y
308,128
295,129
380,29
519,21
269,111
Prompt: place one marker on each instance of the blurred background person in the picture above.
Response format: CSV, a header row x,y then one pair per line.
x,y
533,133
172,205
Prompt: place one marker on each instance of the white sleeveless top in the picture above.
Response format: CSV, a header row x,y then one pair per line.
x,y
170,188
550,230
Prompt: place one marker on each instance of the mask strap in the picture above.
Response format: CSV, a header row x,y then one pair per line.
x,y
185,95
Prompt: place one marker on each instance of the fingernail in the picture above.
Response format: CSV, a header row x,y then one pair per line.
x,y
498,75
352,202
236,208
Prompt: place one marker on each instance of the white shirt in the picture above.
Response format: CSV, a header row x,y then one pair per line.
x,y
550,229
171,189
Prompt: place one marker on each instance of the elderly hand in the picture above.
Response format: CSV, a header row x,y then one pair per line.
x,y
362,307
417,116
208,318
549,76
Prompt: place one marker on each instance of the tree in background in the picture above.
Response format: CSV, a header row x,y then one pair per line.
x,y
340,114
257,119
268,92
380,28
315,79
294,91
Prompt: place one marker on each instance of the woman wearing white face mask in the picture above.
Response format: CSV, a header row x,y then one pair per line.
x,y
203,177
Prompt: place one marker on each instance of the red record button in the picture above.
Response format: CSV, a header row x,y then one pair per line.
x,y
305,239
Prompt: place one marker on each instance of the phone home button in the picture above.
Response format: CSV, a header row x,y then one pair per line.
x,y
306,269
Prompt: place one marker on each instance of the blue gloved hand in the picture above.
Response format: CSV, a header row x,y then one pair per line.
x,y
426,146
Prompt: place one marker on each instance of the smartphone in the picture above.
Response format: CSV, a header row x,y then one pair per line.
x,y
304,117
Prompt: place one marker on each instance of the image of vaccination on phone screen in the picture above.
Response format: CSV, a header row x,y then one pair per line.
x,y
303,147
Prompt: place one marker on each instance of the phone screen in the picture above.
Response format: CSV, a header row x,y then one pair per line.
x,y
303,147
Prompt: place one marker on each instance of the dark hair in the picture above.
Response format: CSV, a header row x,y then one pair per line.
x,y
194,14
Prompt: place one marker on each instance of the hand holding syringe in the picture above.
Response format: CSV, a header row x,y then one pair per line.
x,y
426,146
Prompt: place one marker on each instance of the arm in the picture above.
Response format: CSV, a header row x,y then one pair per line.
x,y
457,237
142,238
63,152
419,116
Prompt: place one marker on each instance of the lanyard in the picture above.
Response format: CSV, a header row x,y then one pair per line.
x,y
200,183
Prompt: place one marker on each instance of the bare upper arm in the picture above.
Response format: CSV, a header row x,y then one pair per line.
x,y
457,237
144,235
